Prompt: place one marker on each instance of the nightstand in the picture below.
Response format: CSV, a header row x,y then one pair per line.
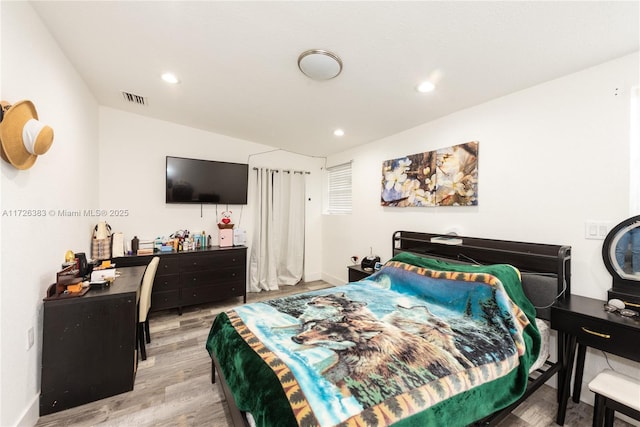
x,y
582,322
356,272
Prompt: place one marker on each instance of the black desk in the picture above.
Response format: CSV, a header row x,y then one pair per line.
x,y
582,322
89,344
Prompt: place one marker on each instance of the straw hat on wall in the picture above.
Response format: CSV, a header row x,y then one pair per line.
x,y
22,137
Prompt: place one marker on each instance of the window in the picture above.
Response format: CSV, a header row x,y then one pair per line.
x,y
634,152
339,189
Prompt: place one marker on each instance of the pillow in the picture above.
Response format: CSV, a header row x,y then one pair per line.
x,y
542,291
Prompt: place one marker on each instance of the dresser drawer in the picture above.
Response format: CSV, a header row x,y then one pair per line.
x,y
212,277
166,282
164,300
230,258
211,293
168,265
213,260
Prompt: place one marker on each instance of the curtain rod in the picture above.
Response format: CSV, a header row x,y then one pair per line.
x,y
286,170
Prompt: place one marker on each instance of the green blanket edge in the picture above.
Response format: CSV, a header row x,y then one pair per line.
x,y
254,385
253,381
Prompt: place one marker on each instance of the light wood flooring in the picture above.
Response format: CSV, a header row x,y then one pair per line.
x,y
173,386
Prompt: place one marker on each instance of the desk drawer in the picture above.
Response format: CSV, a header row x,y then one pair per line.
x,y
597,333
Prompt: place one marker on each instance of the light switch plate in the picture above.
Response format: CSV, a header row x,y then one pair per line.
x,y
30,338
596,230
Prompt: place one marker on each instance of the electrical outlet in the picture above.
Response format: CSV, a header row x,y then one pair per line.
x,y
30,338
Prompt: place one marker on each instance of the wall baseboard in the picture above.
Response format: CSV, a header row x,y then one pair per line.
x,y
335,281
30,416
311,277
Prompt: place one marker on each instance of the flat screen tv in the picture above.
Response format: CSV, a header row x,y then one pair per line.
x,y
206,181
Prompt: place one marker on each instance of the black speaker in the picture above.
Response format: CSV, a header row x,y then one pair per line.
x,y
82,264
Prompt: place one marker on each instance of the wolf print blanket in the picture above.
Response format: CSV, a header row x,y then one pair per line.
x,y
391,347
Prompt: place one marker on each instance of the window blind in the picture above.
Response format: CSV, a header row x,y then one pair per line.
x,y
339,189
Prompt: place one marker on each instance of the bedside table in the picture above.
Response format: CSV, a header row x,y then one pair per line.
x,y
582,322
356,272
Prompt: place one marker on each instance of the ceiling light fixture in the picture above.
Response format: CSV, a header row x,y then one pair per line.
x,y
319,64
170,78
338,132
425,87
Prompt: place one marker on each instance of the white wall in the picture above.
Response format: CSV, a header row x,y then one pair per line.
x,y
100,159
551,157
33,248
132,177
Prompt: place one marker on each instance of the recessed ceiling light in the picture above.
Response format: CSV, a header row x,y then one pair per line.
x,y
425,87
170,78
338,132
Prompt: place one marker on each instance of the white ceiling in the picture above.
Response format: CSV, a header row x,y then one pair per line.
x,y
237,61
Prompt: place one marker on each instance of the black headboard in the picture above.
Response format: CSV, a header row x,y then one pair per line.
x,y
539,263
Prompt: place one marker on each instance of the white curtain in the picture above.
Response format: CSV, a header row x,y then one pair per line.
x,y
291,251
277,248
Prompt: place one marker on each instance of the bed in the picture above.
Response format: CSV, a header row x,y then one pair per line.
x,y
450,331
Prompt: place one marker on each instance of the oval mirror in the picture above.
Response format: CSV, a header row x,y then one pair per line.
x,y
621,255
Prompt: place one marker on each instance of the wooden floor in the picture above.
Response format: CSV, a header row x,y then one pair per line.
x,y
173,386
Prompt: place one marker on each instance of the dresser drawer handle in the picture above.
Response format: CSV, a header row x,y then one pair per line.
x,y
598,334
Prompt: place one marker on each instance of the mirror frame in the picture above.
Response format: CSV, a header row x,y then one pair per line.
x,y
622,281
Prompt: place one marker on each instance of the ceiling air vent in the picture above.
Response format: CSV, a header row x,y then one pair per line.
x,y
133,98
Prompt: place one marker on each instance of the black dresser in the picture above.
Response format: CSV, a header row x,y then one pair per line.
x,y
195,277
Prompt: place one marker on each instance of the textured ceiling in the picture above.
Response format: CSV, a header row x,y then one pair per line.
x,y
237,61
